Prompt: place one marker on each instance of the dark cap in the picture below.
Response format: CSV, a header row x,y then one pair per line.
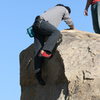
x,y
68,8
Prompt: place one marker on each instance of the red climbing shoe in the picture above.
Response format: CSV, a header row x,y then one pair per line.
x,y
44,54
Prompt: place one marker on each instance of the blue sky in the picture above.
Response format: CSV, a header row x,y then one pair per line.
x,y
15,17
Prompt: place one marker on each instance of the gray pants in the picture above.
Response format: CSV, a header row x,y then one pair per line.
x,y
46,36
95,11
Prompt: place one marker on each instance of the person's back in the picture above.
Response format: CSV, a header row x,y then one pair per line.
x,y
55,14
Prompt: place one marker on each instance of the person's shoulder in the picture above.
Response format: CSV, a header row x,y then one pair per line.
x,y
60,8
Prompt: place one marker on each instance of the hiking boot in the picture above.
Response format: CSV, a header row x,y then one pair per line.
x,y
39,78
44,54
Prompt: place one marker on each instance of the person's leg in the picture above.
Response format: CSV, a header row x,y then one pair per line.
x,y
38,61
53,35
94,13
98,16
38,44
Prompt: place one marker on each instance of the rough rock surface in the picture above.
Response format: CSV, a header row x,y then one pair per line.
x,y
73,73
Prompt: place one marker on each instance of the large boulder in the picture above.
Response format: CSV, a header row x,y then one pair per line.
x,y
73,73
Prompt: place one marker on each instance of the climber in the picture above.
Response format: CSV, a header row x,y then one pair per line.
x,y
95,10
47,34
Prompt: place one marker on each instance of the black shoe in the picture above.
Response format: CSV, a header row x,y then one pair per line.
x,y
39,78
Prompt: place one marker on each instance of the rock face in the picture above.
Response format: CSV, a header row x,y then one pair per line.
x,y
73,73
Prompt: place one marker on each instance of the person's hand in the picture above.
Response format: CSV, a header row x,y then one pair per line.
x,y
85,12
70,29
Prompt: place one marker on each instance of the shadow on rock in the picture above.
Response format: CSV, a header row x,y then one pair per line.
x,y
56,87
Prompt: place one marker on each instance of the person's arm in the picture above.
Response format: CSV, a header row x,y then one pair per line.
x,y
86,7
68,20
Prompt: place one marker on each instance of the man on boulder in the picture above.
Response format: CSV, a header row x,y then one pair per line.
x,y
47,34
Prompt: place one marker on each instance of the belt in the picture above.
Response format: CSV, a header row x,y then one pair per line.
x,y
39,19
